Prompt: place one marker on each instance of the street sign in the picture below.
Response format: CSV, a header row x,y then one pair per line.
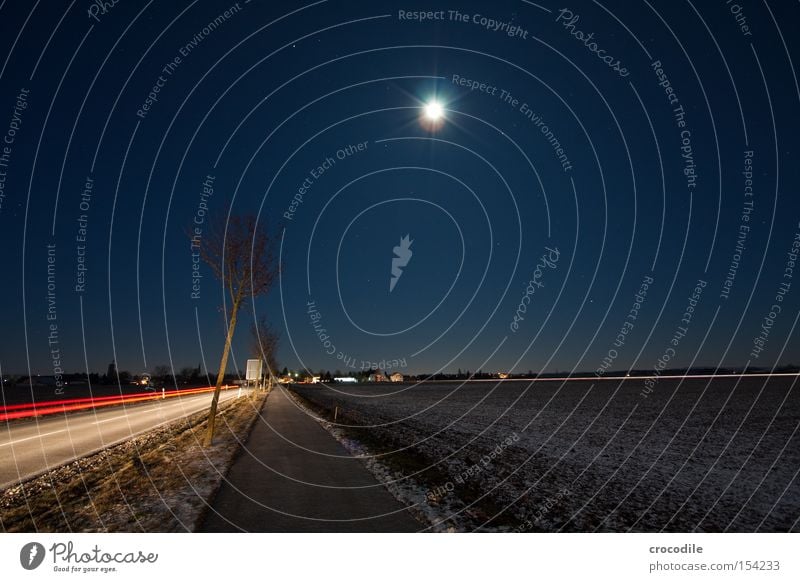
x,y
254,370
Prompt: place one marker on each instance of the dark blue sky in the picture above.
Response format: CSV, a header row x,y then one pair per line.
x,y
262,95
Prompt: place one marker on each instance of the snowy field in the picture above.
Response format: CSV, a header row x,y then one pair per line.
x,y
695,455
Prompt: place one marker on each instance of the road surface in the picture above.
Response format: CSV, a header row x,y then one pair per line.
x,y
28,448
293,476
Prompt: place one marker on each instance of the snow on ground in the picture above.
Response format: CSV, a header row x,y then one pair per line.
x,y
695,455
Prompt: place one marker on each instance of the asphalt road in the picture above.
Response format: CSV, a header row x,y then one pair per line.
x,y
28,448
293,476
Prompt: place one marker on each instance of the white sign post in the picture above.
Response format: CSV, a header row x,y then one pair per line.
x,y
254,371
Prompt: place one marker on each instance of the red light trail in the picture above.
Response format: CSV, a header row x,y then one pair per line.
x,y
28,410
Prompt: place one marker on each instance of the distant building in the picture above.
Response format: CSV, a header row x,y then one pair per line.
x,y
377,376
345,379
396,377
502,375
111,372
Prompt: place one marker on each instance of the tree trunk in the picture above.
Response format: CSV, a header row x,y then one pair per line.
x,y
212,413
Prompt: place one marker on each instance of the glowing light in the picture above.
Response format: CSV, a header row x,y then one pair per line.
x,y
27,410
434,111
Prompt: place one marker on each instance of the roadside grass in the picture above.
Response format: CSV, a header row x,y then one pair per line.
x,y
160,481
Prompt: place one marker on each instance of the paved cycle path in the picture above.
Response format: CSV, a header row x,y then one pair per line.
x,y
293,476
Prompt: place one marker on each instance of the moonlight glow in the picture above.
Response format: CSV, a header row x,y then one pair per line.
x,y
434,111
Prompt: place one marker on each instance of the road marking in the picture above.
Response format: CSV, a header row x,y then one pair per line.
x,y
38,436
157,409
136,413
110,419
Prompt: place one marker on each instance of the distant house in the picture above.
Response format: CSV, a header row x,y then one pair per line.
x,y
502,375
396,377
377,376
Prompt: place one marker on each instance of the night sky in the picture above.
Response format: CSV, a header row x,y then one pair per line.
x,y
589,153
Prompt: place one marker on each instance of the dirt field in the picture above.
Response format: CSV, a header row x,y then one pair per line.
x,y
695,455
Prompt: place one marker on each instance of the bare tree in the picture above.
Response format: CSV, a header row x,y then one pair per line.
x,y
187,373
162,373
264,343
243,258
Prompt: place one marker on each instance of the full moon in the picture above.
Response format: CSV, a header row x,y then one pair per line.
x,y
434,111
